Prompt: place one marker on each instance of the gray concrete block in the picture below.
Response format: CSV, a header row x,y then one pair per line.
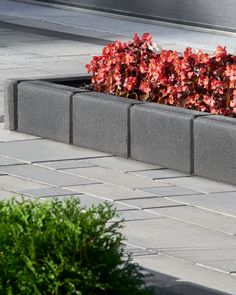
x,y
16,185
101,122
115,177
4,195
8,161
200,217
214,148
11,93
170,234
223,203
65,164
160,173
129,215
200,184
89,201
47,192
201,255
110,191
9,135
44,109
170,191
156,202
10,107
121,164
45,176
163,135
41,150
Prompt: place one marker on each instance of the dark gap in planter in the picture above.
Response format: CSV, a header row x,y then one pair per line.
x,y
71,118
16,105
192,146
77,83
128,133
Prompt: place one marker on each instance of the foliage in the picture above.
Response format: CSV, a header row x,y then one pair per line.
x,y
139,69
60,248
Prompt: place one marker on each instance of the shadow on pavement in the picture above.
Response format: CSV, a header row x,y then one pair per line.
x,y
168,285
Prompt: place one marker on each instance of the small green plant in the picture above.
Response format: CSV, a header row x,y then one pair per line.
x,y
60,248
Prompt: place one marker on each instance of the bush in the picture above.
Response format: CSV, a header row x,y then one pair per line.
x,y
139,69
61,248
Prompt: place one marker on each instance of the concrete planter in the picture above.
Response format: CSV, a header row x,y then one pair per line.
x,y
214,148
188,141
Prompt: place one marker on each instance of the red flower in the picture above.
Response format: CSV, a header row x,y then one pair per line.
x,y
145,87
130,83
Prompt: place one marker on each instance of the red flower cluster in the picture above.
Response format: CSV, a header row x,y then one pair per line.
x,y
138,69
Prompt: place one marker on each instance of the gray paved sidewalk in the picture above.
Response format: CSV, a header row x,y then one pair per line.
x,y
180,227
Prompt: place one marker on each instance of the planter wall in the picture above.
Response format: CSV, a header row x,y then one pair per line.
x,y
215,148
210,13
163,135
44,109
176,138
101,122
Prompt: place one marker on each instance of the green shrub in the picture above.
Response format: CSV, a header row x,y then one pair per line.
x,y
60,248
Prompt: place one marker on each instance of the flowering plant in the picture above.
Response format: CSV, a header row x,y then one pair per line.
x,y
140,69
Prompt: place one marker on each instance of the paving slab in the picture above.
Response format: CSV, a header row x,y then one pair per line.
x,y
8,161
46,176
62,67
146,203
16,185
6,51
115,177
89,201
129,215
25,59
121,164
167,234
47,192
201,255
7,135
110,191
200,217
228,265
160,174
58,48
23,73
200,184
170,191
224,203
4,195
137,251
180,277
65,164
41,150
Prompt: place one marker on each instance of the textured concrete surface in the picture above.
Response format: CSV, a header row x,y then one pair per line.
x,y
170,143
100,121
214,149
40,106
180,228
